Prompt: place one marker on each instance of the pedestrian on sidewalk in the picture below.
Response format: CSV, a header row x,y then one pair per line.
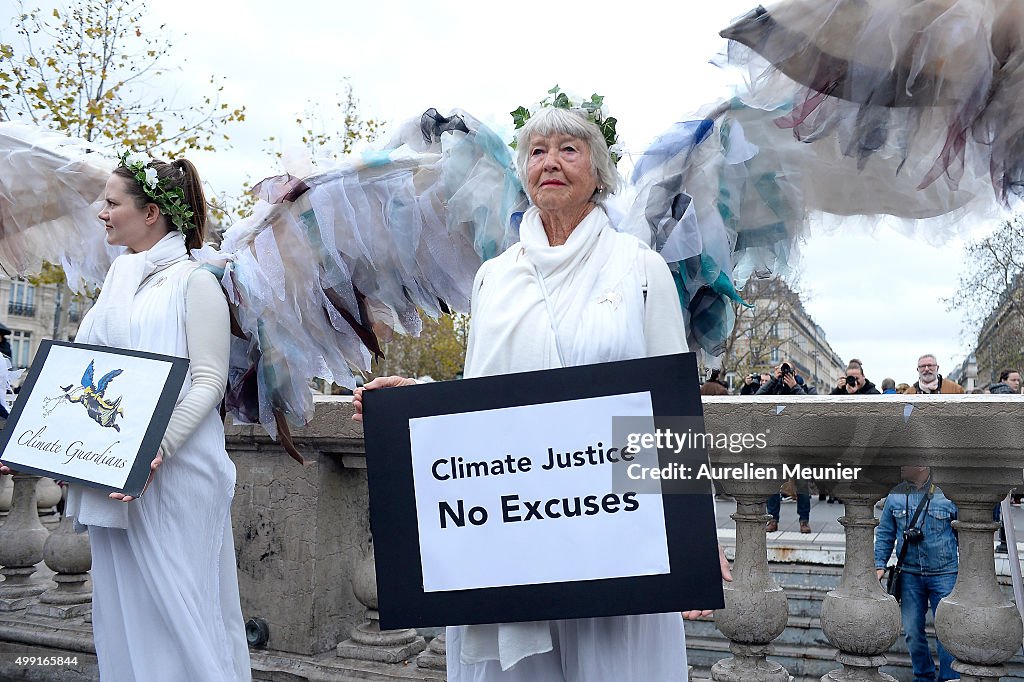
x,y
929,566
714,385
929,379
854,382
1009,383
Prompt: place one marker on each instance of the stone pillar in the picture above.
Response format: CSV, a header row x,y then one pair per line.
x,y
979,626
436,655
756,610
67,553
367,641
6,495
858,617
48,495
21,546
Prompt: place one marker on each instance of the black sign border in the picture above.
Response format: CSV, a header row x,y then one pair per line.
x,y
150,445
695,579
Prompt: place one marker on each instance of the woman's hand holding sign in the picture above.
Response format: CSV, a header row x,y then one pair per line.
x,y
379,382
157,461
726,576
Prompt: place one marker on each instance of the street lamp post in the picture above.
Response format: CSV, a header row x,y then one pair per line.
x,y
817,379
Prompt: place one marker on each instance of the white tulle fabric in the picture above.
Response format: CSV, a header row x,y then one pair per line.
x,y
51,188
595,283
361,248
926,88
165,588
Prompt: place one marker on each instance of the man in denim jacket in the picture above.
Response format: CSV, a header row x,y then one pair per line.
x,y
929,566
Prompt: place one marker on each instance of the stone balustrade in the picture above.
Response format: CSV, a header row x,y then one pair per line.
x,y
974,446
305,553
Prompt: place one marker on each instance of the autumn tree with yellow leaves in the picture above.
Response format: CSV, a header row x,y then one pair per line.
x,y
96,70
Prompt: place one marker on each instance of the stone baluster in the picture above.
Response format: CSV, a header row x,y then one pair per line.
x,y
756,610
6,495
68,554
48,495
436,655
976,623
367,641
858,617
21,546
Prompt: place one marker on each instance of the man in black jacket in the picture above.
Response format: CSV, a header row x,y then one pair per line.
x,y
786,380
1009,382
855,383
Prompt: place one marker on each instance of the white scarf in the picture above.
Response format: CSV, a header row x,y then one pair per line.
x,y
109,324
594,291
109,321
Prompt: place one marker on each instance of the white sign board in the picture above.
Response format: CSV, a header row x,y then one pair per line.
x,y
86,413
544,513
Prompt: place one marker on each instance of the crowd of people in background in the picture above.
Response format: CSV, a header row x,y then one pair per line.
x,y
785,379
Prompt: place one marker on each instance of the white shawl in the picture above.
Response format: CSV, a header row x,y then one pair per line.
x,y
108,323
594,284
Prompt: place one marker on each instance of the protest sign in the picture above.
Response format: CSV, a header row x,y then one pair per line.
x,y
496,499
92,415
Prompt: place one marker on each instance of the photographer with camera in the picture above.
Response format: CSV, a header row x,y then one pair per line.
x,y
751,383
786,381
854,382
918,519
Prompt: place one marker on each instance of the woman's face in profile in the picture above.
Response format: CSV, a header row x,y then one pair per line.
x,y
559,174
124,221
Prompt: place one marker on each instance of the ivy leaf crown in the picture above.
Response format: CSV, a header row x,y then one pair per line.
x,y
591,109
171,200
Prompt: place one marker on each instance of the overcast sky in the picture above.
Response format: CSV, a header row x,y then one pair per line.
x,y
878,297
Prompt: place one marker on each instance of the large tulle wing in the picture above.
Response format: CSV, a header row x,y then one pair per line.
x,y
854,112
50,193
933,84
329,265
732,195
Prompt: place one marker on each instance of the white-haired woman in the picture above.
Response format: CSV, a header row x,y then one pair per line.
x,y
573,291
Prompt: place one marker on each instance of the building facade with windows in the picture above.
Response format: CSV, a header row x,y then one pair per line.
x,y
778,328
1000,343
36,312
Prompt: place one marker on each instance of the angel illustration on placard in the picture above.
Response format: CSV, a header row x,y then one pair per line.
x,y
92,396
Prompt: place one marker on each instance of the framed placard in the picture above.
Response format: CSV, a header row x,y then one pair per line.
x,y
92,415
504,499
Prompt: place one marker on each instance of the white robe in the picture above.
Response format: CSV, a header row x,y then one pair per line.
x,y
595,284
165,586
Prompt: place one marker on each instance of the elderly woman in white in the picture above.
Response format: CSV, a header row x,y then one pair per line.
x,y
573,291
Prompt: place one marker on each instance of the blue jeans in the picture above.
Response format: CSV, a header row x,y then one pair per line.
x,y
803,506
918,593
